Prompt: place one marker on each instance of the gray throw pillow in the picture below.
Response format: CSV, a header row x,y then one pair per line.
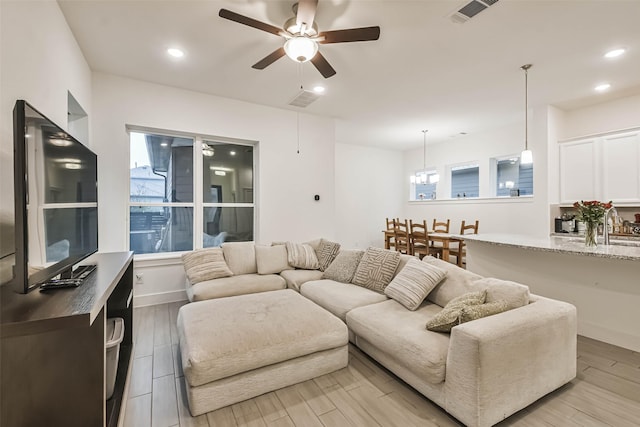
x,y
414,282
376,269
449,316
344,266
326,253
205,264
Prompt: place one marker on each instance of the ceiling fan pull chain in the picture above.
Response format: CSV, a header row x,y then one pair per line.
x,y
298,129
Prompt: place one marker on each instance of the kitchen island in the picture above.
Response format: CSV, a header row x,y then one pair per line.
x,y
602,282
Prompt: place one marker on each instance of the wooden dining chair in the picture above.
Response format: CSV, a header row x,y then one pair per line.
x,y
440,227
420,240
459,250
388,235
401,236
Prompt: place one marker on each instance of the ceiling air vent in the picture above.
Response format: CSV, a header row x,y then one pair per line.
x,y
304,98
470,10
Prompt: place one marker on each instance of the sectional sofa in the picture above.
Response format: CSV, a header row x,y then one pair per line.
x,y
480,372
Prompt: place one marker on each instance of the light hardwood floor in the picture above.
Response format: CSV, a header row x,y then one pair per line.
x,y
606,391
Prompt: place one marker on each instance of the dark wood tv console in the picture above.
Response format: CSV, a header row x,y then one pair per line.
x,y
53,349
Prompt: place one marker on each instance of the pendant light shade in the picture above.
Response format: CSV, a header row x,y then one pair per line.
x,y
526,157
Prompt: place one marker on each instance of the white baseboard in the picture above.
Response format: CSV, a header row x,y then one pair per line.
x,y
608,335
160,298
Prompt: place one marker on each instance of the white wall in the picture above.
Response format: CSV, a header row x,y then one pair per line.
x,y
368,182
40,62
287,181
509,215
609,116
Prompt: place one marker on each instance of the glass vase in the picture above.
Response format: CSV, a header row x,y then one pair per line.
x,y
591,234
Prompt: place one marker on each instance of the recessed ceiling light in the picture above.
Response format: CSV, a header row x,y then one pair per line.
x,y
319,89
614,53
233,153
602,87
176,53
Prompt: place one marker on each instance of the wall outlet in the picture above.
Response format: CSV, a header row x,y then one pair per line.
x,y
139,278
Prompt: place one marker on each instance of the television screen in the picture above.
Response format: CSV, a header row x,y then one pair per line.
x,y
56,199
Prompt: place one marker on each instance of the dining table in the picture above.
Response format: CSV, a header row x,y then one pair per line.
x,y
445,239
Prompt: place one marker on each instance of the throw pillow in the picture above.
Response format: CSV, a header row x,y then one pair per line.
x,y
344,266
474,312
271,259
302,256
376,269
515,294
449,316
414,282
326,253
205,264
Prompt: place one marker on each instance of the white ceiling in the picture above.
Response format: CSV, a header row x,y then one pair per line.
x,y
425,72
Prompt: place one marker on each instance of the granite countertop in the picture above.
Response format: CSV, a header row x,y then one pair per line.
x,y
623,250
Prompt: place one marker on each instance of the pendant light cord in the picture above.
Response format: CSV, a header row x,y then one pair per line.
x,y
526,105
424,150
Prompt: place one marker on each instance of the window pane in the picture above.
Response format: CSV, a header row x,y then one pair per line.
x,y
161,168
426,191
465,182
227,225
512,175
160,229
525,179
227,173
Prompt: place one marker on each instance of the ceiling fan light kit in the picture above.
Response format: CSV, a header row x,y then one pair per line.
x,y
302,36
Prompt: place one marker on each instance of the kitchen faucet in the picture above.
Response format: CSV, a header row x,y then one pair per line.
x,y
605,226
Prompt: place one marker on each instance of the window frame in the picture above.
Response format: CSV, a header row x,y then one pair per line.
x,y
197,204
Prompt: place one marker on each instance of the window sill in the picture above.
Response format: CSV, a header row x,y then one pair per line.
x,y
475,200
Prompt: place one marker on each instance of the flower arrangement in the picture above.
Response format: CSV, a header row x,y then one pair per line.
x,y
591,213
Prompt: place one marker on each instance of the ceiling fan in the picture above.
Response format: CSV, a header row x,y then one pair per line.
x,y
302,36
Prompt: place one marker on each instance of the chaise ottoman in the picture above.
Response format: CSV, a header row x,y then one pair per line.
x,y
240,347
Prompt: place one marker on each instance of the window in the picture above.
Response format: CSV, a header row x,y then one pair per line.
x,y
465,181
512,178
424,185
188,193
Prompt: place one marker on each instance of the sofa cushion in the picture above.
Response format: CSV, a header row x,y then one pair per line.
x,y
205,264
458,282
236,285
344,266
449,316
412,285
376,269
302,255
475,312
271,259
339,298
326,253
295,278
240,257
400,334
515,294
404,259
224,337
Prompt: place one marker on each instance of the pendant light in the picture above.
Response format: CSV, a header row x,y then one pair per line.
x,y
526,157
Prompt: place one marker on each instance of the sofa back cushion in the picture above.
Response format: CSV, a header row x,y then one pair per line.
x,y
458,282
344,266
205,264
515,294
404,259
376,269
271,259
240,257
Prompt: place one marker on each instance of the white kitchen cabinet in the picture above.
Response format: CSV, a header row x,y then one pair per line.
x,y
601,168
578,171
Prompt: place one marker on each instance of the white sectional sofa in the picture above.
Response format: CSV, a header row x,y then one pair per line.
x,y
481,373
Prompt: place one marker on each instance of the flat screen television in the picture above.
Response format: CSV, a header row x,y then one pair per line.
x,y
56,199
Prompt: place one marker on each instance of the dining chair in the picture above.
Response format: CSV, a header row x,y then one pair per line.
x,y
459,251
420,240
401,236
388,234
440,227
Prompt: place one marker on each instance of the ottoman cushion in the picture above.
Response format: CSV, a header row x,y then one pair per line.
x,y
224,337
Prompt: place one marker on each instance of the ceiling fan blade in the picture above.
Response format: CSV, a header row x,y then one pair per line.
x,y
269,59
323,65
306,12
241,19
351,35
